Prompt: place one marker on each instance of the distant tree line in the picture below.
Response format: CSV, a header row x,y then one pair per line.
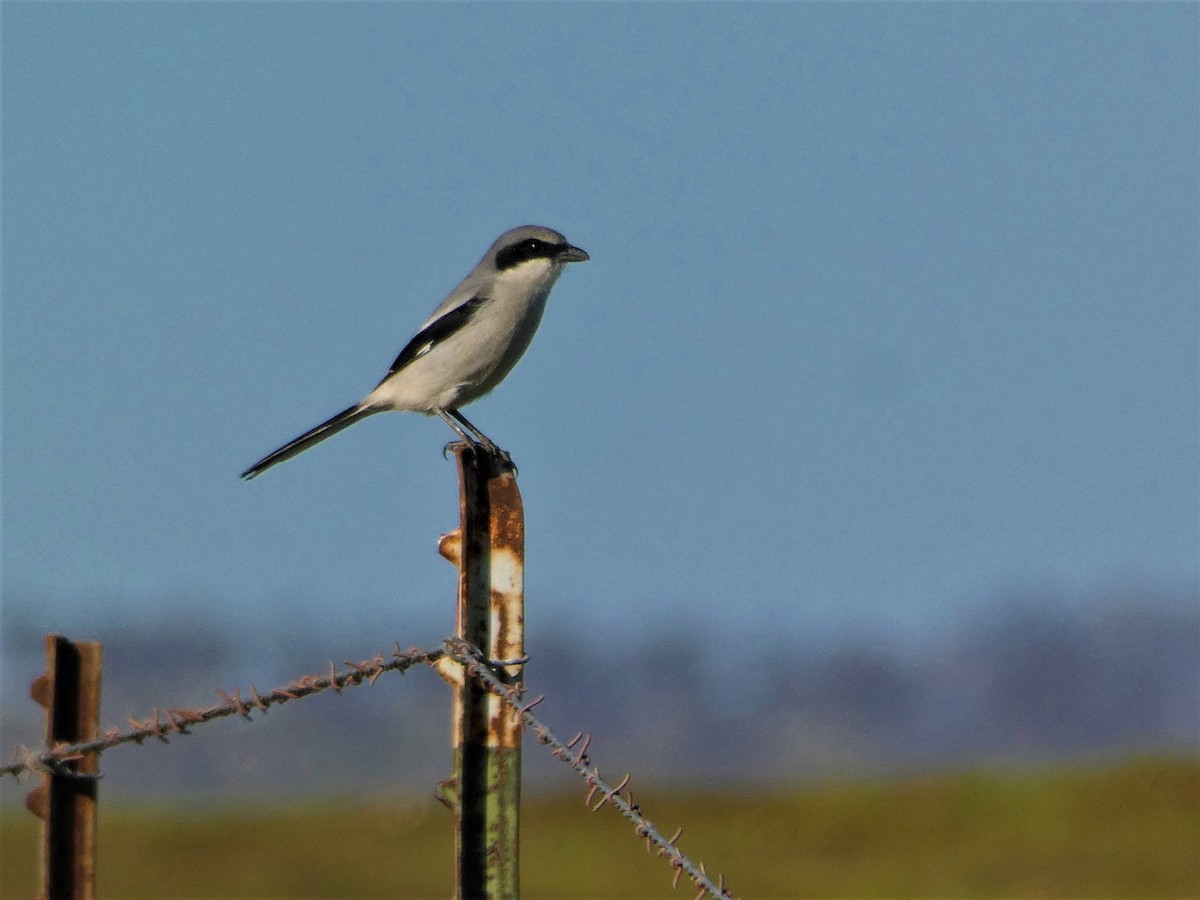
x,y
1034,682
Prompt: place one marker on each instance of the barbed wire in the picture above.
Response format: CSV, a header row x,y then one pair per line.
x,y
477,666
180,720
177,720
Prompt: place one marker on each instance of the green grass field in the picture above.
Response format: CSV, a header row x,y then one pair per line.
x,y
1126,831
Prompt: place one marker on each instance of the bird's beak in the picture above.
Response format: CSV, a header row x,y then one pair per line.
x,y
572,254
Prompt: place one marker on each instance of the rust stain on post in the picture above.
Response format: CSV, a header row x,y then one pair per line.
x,y
450,547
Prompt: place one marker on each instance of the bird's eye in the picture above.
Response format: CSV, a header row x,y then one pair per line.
x,y
530,248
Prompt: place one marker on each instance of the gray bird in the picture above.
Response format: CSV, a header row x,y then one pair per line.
x,y
472,340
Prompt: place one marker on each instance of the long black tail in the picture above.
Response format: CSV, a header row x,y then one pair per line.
x,y
344,419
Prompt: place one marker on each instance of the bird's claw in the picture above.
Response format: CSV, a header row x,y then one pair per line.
x,y
498,454
501,456
489,448
508,461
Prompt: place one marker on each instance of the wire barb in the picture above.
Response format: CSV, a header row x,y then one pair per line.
x,y
473,661
172,720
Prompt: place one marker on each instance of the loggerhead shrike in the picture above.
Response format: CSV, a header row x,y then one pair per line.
x,y
467,346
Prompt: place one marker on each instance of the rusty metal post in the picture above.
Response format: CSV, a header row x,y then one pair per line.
x,y
70,691
485,790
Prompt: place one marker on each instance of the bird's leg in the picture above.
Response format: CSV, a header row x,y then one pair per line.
x,y
482,439
478,436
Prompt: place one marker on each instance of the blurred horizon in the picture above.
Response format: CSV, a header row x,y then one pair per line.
x,y
1032,683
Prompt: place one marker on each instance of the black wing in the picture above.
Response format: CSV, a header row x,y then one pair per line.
x,y
436,332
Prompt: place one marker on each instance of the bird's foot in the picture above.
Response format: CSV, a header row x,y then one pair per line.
x,y
496,453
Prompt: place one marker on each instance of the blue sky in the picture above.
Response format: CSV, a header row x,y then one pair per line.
x,y
892,309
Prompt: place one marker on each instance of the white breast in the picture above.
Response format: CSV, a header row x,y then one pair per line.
x,y
473,361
